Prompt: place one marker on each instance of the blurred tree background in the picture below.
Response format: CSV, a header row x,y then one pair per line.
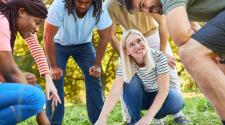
x,y
74,81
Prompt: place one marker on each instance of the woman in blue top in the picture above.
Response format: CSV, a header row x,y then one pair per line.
x,y
68,32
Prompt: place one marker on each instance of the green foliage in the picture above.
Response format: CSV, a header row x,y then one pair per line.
x,y
74,80
77,115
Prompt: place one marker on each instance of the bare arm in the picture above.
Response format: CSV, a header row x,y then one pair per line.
x,y
111,100
163,83
179,28
102,44
163,32
9,69
49,33
95,70
114,39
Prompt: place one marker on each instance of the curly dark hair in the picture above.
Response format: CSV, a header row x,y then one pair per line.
x,y
10,11
70,6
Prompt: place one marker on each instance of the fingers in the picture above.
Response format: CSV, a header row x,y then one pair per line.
x,y
171,61
95,71
31,79
57,73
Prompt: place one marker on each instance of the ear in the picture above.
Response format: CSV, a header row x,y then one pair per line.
x,y
22,12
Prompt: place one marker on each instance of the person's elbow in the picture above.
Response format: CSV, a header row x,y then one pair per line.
x,y
181,37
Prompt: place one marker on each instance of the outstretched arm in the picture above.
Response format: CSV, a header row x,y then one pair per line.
x,y
40,59
111,100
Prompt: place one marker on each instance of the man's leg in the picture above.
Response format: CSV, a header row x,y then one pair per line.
x,y
174,81
200,64
56,113
84,55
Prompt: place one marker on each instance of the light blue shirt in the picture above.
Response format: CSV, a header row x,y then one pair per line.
x,y
73,32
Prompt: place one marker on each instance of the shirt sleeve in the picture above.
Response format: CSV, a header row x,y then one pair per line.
x,y
162,64
56,12
104,20
119,70
38,55
110,7
5,35
168,5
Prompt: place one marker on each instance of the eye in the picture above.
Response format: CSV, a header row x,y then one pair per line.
x,y
131,45
139,40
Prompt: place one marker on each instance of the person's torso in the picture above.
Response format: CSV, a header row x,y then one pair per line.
x,y
198,10
5,34
143,22
72,29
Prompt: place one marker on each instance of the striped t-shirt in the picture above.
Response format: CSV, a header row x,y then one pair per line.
x,y
33,44
149,80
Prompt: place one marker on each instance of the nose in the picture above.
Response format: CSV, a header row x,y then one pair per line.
x,y
36,28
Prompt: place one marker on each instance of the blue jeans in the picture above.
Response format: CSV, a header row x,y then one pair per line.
x,y
136,99
84,55
18,102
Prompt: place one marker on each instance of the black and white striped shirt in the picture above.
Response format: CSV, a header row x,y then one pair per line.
x,y
149,80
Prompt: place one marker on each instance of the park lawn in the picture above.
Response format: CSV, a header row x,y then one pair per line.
x,y
197,109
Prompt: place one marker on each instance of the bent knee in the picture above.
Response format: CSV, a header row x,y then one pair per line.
x,y
37,100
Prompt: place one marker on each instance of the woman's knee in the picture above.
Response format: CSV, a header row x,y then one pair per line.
x,y
37,100
176,101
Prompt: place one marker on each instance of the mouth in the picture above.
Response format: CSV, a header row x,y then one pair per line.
x,y
156,9
140,50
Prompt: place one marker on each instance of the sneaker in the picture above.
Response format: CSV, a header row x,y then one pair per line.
x,y
158,122
181,120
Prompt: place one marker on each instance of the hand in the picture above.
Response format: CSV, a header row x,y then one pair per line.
x,y
144,121
56,72
31,79
171,61
2,78
95,71
51,91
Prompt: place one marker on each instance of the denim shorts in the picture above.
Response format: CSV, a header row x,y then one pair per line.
x,y
212,35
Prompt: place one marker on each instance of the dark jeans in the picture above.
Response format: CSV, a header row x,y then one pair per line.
x,y
84,55
19,102
137,99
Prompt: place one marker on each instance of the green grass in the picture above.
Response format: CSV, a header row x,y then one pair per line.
x,y
197,109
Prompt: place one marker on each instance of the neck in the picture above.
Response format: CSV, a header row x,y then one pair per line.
x,y
140,62
80,15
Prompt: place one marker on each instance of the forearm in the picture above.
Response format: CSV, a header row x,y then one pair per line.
x,y
157,103
109,104
102,44
38,55
50,51
115,43
14,76
164,37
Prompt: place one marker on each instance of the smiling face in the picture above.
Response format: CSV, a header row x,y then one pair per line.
x,y
149,6
82,6
27,24
135,47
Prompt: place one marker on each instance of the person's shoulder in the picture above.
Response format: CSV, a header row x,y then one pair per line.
x,y
4,22
111,3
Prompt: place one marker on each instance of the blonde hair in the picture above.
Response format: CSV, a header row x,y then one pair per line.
x,y
128,63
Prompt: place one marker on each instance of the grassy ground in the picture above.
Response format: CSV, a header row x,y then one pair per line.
x,y
197,109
